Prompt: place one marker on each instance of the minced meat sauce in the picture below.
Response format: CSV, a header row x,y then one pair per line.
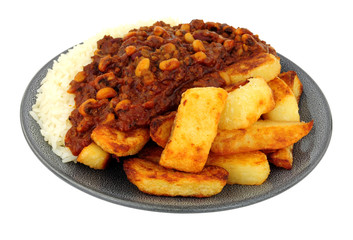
x,y
133,79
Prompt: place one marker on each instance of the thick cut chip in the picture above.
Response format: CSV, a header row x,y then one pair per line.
x,y
246,104
286,108
262,135
263,65
292,80
282,157
154,179
194,129
120,143
250,168
161,127
93,156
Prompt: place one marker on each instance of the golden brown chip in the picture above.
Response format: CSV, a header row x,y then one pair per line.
x,y
120,143
194,129
286,107
245,105
262,135
292,80
250,168
282,157
93,156
154,179
263,65
161,127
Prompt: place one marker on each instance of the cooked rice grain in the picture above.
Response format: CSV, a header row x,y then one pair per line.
x,y
54,105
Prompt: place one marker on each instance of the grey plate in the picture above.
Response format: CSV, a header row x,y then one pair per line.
x,y
112,185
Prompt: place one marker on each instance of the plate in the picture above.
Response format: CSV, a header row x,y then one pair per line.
x,y
113,186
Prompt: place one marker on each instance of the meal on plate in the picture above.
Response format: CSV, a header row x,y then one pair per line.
x,y
187,108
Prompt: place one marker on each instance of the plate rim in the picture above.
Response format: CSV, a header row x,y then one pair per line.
x,y
163,208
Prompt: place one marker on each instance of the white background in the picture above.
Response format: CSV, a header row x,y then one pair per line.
x,y
36,204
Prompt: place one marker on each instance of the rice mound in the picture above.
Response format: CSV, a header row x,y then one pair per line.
x,y
53,104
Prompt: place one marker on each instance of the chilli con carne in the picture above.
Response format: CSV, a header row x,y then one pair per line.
x,y
133,79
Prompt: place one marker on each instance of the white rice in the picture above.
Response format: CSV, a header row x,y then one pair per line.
x,y
54,105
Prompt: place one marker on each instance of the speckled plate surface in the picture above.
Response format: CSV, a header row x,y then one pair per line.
x,y
112,185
